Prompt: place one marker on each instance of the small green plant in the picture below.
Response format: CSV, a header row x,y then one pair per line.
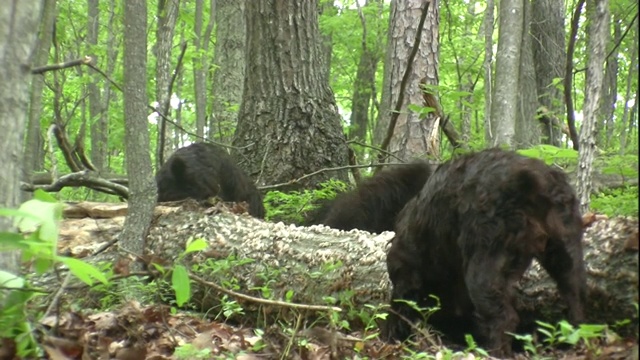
x,y
188,351
552,155
37,221
616,202
291,207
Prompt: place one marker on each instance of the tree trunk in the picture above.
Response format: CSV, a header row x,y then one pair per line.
x,y
142,187
487,28
633,74
98,119
413,135
364,84
527,133
549,56
229,61
113,46
317,262
505,100
288,124
166,16
610,91
598,33
19,21
33,149
199,72
568,75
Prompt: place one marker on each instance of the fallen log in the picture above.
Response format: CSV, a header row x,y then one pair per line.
x,y
317,262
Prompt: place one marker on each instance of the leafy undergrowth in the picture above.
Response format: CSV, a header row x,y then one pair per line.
x,y
153,332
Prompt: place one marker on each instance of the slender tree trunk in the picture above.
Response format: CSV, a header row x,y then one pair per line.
x,y
98,120
505,101
33,149
610,90
142,186
487,28
112,60
19,21
527,133
200,72
549,56
288,124
167,16
633,74
568,75
413,135
598,33
229,61
364,84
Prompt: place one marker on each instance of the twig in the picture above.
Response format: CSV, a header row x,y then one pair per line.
x,y
263,301
338,168
42,69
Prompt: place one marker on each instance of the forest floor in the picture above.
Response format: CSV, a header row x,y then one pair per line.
x,y
153,332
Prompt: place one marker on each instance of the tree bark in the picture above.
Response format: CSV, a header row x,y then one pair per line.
x,y
166,16
364,84
633,74
19,21
505,100
98,119
229,68
200,68
598,31
487,28
609,91
549,55
568,75
34,147
527,133
317,262
142,186
413,135
288,124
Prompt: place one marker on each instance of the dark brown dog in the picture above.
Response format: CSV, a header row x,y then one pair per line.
x,y
200,171
469,236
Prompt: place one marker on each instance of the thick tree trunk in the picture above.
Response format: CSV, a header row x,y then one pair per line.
x,y
288,124
18,29
527,133
413,135
317,262
229,61
598,33
142,186
549,56
505,100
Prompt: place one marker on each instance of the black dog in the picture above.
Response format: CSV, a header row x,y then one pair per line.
x,y
469,236
200,171
374,205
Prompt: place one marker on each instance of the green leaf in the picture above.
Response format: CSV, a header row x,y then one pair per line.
x,y
11,241
46,216
181,284
196,245
11,280
82,270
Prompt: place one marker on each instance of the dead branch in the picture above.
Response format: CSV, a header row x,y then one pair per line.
x,y
85,178
42,69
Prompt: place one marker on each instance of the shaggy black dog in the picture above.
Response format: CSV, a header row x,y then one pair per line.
x,y
374,205
469,236
200,171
